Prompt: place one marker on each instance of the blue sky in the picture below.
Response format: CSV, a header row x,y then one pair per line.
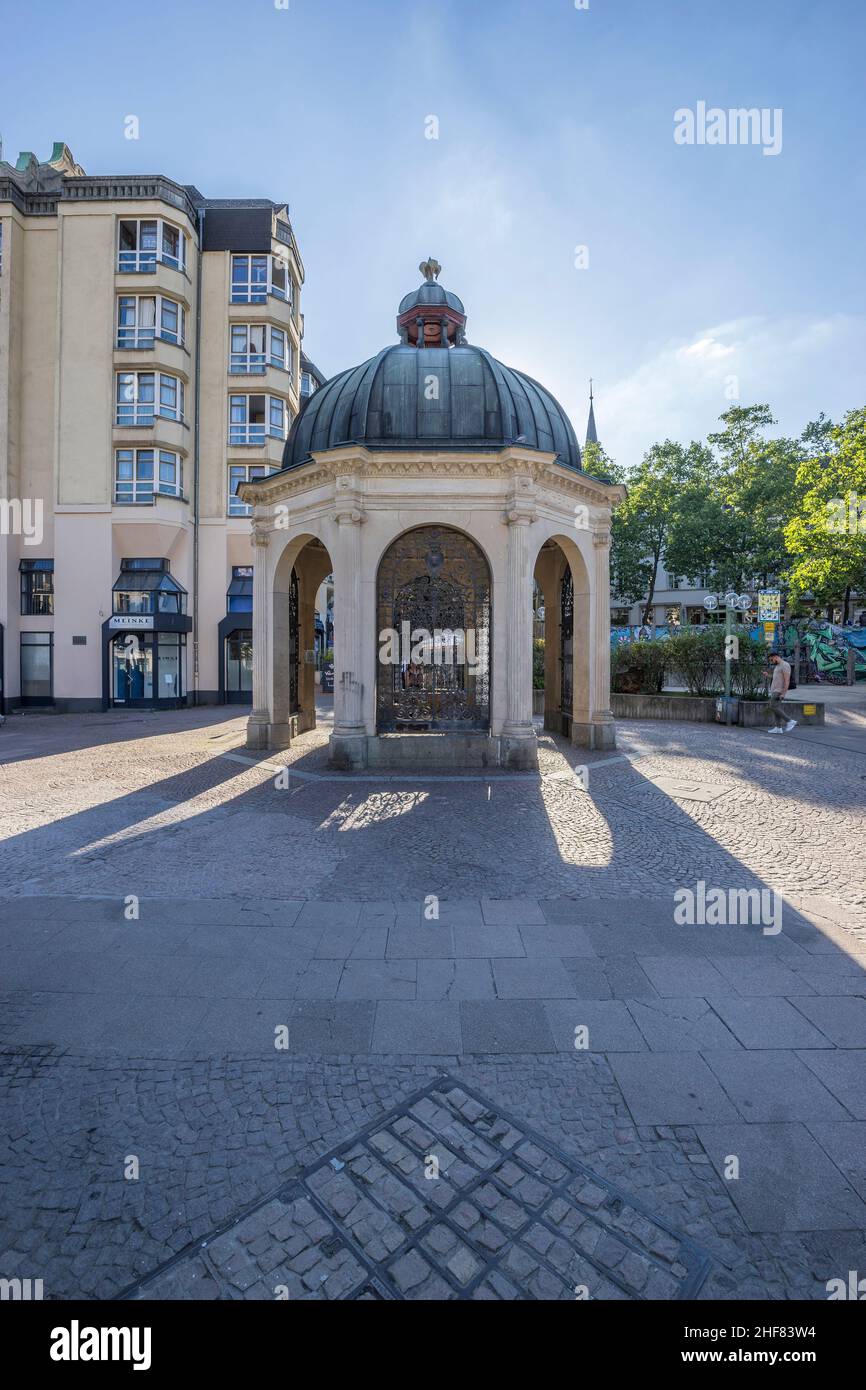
x,y
555,131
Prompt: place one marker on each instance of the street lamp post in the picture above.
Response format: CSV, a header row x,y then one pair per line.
x,y
733,602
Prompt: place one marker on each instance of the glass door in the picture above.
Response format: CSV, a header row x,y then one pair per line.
x,y
239,667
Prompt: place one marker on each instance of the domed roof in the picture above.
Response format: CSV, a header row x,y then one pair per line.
x,y
385,404
432,390
430,293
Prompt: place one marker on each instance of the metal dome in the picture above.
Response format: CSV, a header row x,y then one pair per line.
x,y
430,293
384,404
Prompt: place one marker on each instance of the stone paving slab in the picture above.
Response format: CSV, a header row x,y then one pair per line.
x,y
445,1198
674,1088
843,1073
786,1181
845,1143
773,1086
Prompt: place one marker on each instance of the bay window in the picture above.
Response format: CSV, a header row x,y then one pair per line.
x,y
141,396
255,277
253,418
141,242
243,473
254,346
139,474
143,318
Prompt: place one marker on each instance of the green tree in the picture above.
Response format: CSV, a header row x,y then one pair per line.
x,y
733,513
646,523
826,536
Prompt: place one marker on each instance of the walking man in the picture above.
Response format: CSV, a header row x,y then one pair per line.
x,y
778,690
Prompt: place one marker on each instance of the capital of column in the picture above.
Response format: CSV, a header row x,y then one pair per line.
x,y
520,508
260,536
520,515
348,501
601,539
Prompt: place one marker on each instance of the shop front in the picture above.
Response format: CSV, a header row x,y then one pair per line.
x,y
235,640
144,640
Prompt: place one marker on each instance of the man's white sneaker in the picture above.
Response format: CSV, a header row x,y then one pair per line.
x,y
775,730
791,724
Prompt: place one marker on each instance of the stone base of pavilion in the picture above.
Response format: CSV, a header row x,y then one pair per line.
x,y
425,752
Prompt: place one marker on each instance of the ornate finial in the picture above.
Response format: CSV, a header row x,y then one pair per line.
x,y
590,389
430,269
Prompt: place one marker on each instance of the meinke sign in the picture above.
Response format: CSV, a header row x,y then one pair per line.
x,y
128,621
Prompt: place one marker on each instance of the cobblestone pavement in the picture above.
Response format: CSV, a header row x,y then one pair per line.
x,y
177,1079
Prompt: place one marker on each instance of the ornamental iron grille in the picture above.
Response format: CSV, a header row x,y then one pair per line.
x,y
566,649
433,611
294,645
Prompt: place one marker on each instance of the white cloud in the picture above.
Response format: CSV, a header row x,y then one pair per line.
x,y
799,365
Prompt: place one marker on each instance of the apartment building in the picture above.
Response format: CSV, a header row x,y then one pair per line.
x,y
150,361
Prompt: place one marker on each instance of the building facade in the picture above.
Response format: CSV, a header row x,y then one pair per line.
x,y
150,363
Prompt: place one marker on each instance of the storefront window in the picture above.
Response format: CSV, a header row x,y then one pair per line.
x,y
36,667
148,666
239,663
171,683
132,665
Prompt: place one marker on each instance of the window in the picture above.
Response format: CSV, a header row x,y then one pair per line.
x,y
141,319
148,666
239,664
37,668
145,586
143,242
252,418
308,384
255,277
277,354
143,395
277,417
248,348
239,598
37,588
243,473
134,479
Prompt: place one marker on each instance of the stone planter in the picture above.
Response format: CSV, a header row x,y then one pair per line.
x,y
701,709
755,714
696,709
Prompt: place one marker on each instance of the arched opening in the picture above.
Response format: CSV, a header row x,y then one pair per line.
x,y
566,649
562,580
433,605
301,662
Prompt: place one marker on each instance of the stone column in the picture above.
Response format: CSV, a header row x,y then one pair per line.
x,y
259,721
518,733
604,732
348,743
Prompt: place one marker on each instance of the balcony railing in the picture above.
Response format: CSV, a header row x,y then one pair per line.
x,y
146,337
144,262
247,363
255,434
146,414
144,494
255,292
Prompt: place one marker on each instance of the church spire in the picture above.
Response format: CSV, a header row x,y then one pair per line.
x,y
591,436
